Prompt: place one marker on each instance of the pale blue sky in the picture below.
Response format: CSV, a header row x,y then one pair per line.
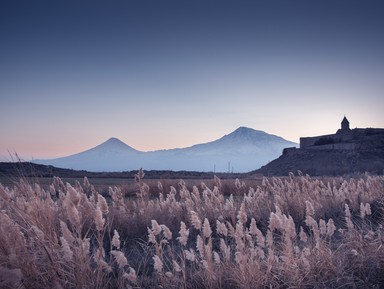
x,y
165,74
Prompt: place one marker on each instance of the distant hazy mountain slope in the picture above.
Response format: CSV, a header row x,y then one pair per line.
x,y
243,150
111,155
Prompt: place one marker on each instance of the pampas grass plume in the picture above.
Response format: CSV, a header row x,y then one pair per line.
x,y
242,215
66,233
116,240
195,220
99,220
167,232
303,235
156,228
103,204
158,264
190,255
176,266
221,228
331,228
206,228
184,233
120,258
67,252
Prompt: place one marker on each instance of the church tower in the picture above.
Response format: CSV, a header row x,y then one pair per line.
x,y
345,124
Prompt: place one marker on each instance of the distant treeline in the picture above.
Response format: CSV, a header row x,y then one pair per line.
x,y
28,169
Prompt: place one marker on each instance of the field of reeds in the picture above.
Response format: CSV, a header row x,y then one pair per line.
x,y
292,232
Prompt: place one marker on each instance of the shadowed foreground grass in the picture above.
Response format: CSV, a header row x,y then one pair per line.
x,y
293,232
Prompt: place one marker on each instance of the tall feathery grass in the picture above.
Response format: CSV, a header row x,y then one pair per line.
x,y
293,232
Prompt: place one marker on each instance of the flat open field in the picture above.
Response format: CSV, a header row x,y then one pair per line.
x,y
129,186
11,173
291,232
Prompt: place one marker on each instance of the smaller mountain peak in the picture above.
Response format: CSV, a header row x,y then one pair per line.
x,y
115,143
113,139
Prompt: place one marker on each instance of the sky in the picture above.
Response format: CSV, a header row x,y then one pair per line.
x,y
161,74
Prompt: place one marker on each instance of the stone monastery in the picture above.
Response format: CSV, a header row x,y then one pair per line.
x,y
344,139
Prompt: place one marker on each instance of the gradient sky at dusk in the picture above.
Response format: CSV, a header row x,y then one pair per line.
x,y
163,74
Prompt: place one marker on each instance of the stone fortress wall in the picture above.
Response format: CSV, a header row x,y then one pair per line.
x,y
342,135
310,141
344,139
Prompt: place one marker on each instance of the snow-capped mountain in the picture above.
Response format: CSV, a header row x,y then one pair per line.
x,y
243,150
111,147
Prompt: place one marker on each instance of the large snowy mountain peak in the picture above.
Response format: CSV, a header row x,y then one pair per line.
x,y
243,150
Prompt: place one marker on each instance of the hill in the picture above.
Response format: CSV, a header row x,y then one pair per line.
x,y
15,170
325,163
346,152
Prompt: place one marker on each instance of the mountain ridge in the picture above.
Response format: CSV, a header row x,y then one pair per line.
x,y
245,149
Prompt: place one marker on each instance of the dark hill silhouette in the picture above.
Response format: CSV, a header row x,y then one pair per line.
x,y
16,170
346,152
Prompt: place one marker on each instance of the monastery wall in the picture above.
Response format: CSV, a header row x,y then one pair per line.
x,y
310,141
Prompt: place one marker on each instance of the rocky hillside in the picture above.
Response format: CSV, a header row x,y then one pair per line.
x,y
364,154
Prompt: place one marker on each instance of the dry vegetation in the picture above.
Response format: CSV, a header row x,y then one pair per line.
x,y
294,232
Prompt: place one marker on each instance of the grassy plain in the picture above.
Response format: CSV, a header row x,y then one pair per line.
x,y
128,185
290,232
